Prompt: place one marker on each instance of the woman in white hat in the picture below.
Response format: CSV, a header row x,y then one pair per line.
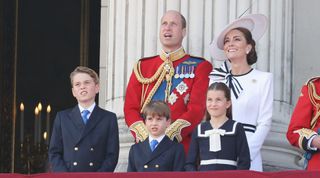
x,y
252,90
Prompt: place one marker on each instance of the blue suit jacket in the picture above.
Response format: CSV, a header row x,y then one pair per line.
x,y
168,156
76,147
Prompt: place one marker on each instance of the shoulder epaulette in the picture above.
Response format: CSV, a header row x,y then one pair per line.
x,y
146,58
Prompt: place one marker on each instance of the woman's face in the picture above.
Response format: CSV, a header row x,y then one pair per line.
x,y
235,45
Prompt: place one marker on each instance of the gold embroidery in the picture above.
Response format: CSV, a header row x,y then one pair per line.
x,y
189,62
304,133
312,92
140,129
174,130
165,71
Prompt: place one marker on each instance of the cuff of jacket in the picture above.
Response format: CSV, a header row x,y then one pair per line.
x,y
140,129
304,136
174,130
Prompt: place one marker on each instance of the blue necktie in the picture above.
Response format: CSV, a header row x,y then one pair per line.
x,y
84,115
153,144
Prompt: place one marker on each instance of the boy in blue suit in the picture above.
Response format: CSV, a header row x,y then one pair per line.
x,y
158,152
84,138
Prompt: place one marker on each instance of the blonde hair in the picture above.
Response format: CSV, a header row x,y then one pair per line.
x,y
86,70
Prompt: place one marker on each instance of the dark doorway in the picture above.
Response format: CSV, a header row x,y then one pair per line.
x,y
50,38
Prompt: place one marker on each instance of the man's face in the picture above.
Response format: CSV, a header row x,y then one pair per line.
x,y
171,31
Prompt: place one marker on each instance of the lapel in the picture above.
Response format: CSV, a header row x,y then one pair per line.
x,y
163,146
146,150
76,120
94,119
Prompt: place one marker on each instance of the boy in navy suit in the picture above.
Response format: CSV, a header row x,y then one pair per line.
x,y
158,152
84,138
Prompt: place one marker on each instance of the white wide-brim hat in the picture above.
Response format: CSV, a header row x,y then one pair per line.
x,y
256,23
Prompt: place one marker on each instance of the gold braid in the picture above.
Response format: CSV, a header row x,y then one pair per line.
x,y
168,72
153,90
313,95
165,70
143,80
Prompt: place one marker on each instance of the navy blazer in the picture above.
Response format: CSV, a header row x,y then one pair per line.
x,y
76,147
168,156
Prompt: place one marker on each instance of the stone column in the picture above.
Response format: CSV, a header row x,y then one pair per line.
x,y
129,31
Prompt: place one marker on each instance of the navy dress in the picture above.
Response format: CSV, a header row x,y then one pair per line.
x,y
234,152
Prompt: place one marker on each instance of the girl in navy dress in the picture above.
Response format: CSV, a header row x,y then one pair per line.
x,y
219,143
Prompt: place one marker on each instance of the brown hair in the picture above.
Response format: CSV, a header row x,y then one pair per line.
x,y
183,21
252,55
86,70
221,87
159,108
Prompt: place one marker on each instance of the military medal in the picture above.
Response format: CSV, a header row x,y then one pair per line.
x,y
172,98
187,75
177,73
182,71
182,87
192,74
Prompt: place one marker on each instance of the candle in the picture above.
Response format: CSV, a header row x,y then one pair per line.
x,y
36,112
48,123
40,123
45,135
21,122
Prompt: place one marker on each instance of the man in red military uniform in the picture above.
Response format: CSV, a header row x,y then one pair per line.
x,y
173,76
304,127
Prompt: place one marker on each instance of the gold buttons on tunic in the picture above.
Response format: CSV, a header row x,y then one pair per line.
x,y
145,166
75,163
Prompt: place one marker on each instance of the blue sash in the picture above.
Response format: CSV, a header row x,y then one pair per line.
x,y
160,93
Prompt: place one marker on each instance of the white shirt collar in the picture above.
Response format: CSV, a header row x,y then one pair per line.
x,y
89,109
159,139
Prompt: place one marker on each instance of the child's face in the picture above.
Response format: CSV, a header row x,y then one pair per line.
x,y
84,89
217,103
156,125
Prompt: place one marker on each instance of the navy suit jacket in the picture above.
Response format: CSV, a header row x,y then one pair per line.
x,y
76,147
168,156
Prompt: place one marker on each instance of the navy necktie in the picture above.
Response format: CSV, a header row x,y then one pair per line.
x,y
153,144
84,115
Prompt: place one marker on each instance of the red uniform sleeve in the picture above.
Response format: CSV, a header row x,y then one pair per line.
x,y
301,118
132,101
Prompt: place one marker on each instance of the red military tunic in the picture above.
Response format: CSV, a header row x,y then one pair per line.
x,y
305,121
187,96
